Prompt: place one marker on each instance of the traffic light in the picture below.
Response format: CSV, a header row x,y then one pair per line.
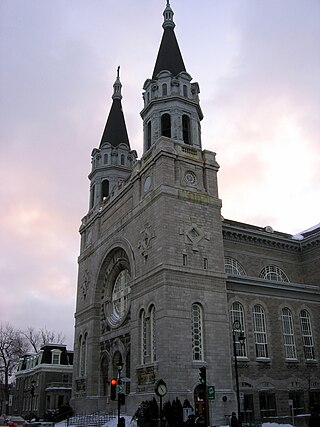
x,y
113,389
203,375
122,398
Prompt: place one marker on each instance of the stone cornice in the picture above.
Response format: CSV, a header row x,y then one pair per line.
x,y
287,290
259,238
252,235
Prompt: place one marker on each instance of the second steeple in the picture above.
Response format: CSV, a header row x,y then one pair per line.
x,y
171,100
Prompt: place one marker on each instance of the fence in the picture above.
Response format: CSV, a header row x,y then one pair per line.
x,y
93,420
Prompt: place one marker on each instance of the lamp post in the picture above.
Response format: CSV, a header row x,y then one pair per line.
x,y
236,328
119,367
33,383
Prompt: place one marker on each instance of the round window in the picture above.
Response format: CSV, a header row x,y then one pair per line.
x,y
120,295
115,298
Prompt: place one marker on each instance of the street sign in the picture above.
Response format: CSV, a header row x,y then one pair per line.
x,y
211,392
120,388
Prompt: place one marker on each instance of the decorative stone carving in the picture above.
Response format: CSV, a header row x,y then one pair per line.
x,y
80,385
145,244
190,178
85,284
194,235
146,375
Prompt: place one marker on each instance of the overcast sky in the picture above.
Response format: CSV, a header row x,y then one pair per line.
x,y
258,66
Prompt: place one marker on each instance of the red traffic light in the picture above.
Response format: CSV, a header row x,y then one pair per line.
x,y
113,389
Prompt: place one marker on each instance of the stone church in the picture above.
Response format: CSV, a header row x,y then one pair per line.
x,y
166,285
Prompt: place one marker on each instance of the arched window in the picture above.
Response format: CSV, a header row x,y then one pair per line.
x,y
104,189
149,135
82,355
307,337
104,375
148,335
185,91
186,129
237,313
122,159
197,332
121,293
232,266
164,89
105,159
116,361
166,125
288,334
274,273
260,331
143,336
92,196
152,333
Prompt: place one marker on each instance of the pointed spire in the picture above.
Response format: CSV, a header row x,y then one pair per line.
x,y
169,55
168,17
117,86
115,131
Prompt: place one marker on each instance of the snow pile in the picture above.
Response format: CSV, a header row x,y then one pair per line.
x,y
114,422
275,425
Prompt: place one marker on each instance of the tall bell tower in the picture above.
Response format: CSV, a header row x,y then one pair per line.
x,y
171,100
113,161
151,284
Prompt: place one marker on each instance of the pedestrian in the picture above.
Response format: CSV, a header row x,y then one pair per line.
x,y
314,420
200,421
234,420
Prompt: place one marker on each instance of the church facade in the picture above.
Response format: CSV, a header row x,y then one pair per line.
x,y
167,286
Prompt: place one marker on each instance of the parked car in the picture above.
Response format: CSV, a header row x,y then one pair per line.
x,y
14,421
40,424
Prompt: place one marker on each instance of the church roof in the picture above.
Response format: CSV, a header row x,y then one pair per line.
x,y
115,131
169,55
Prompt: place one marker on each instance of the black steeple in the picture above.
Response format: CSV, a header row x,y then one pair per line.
x,y
115,131
169,55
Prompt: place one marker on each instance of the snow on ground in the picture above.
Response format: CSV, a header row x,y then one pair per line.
x,y
113,423
275,425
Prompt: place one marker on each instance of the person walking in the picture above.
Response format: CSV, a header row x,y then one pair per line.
x,y
234,420
314,420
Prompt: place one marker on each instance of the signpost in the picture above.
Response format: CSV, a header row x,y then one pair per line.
x,y
211,392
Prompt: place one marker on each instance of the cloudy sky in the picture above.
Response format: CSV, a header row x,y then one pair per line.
x,y
258,66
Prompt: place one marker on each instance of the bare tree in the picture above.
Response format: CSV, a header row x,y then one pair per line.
x,y
12,347
39,337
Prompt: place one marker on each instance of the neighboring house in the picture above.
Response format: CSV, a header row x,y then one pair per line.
x,y
43,381
163,277
3,399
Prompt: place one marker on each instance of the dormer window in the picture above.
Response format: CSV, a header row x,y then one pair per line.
x,y
164,89
105,159
56,356
185,91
